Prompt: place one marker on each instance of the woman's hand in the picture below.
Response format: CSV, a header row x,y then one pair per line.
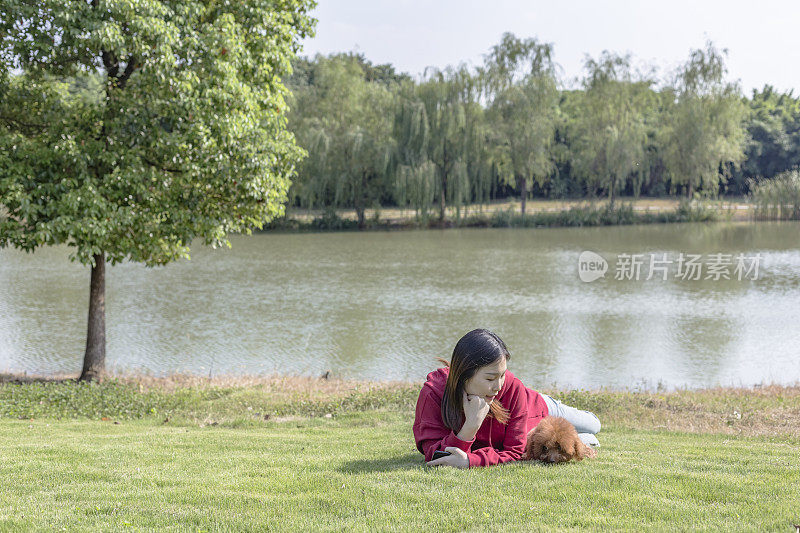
x,y
457,458
475,410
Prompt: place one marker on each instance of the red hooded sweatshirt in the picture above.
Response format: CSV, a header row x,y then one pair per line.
x,y
494,443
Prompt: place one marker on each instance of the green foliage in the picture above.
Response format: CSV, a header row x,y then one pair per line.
x,y
342,120
593,215
523,109
608,133
778,198
773,146
449,98
463,135
703,128
131,128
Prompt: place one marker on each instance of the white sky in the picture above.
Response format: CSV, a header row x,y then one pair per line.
x,y
763,39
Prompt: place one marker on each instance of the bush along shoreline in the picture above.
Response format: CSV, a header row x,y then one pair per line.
x,y
576,216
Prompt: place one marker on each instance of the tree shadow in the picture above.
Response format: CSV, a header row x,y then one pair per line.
x,y
20,379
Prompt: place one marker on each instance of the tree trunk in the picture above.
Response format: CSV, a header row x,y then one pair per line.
x,y
611,194
361,220
442,202
361,202
523,193
94,360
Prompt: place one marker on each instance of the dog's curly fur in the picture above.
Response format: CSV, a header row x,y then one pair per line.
x,y
554,440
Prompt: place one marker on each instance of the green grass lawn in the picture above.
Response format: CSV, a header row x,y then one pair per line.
x,y
361,471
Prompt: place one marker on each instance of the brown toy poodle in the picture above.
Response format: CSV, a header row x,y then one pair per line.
x,y
554,440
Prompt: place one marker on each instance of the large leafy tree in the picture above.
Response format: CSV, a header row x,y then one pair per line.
x,y
441,141
415,178
773,128
176,131
609,133
703,130
344,120
521,83
450,100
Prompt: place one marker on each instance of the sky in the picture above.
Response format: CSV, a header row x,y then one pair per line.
x,y
762,39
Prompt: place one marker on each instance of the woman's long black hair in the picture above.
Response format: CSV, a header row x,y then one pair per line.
x,y
479,347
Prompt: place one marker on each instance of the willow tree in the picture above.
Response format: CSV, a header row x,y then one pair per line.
x,y
366,153
475,150
184,138
415,178
521,85
445,95
608,129
345,122
703,131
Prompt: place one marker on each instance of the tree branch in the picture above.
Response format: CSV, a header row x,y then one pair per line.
x,y
129,68
159,167
111,63
21,123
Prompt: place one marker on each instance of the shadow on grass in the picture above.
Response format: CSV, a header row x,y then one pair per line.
x,y
416,460
20,379
384,464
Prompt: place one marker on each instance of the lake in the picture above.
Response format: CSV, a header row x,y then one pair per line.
x,y
383,305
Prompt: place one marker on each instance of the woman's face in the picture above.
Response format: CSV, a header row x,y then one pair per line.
x,y
488,380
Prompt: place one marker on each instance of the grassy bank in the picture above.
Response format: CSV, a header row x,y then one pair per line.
x,y
764,411
543,213
287,453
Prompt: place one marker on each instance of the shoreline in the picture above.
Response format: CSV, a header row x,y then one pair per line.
x,y
533,206
506,214
332,382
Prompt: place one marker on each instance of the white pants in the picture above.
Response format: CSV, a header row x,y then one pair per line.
x,y
586,423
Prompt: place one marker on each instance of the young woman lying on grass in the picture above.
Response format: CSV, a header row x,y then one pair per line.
x,y
481,413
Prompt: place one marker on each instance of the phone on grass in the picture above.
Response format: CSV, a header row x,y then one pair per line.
x,y
438,454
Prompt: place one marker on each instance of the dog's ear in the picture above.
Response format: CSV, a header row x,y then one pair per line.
x,y
528,453
536,449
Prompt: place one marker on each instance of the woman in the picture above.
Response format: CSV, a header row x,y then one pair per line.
x,y
479,412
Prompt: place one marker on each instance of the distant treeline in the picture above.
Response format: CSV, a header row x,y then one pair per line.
x,y
508,128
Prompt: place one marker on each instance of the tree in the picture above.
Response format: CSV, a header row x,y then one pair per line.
x,y
773,145
524,98
184,138
449,98
703,129
345,122
609,132
415,180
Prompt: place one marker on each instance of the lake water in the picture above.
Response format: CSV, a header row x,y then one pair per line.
x,y
383,305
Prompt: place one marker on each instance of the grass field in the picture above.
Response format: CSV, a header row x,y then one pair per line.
x,y
300,454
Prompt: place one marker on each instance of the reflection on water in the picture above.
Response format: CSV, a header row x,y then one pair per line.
x,y
383,305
